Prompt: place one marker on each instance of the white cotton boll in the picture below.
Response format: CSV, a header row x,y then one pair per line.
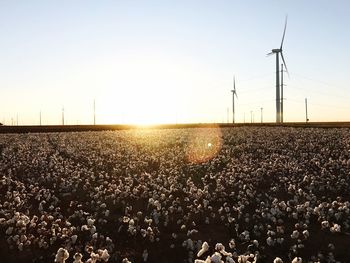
x,y
145,255
335,228
216,257
104,255
20,246
331,246
74,239
106,213
242,259
149,230
93,230
295,234
277,260
324,224
270,241
148,221
143,232
94,257
126,260
232,244
61,256
205,247
17,199
189,244
280,240
90,222
297,260
77,258
219,247
271,233
9,230
306,233
84,228
192,232
338,215
280,229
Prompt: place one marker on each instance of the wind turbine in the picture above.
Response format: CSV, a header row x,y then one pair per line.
x,y
278,52
233,99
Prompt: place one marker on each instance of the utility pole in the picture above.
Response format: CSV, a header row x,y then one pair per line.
x,y
251,116
94,113
261,114
282,92
17,119
40,117
306,116
63,116
244,117
228,113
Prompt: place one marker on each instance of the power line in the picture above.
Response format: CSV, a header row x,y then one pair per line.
x,y
320,105
315,80
328,94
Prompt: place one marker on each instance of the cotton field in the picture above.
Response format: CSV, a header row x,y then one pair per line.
x,y
176,195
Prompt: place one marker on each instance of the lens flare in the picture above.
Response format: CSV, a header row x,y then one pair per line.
x,y
203,144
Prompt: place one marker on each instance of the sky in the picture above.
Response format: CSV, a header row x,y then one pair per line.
x,y
146,62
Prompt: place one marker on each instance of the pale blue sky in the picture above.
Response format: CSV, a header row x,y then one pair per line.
x,y
168,61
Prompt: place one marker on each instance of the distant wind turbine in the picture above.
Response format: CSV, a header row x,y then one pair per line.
x,y
278,52
234,92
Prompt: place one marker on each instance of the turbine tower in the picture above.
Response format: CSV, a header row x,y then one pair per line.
x,y
233,99
278,52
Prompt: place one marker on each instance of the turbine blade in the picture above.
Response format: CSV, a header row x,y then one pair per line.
x,y
284,32
269,54
234,86
234,83
284,62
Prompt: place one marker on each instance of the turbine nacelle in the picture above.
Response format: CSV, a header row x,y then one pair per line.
x,y
276,50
